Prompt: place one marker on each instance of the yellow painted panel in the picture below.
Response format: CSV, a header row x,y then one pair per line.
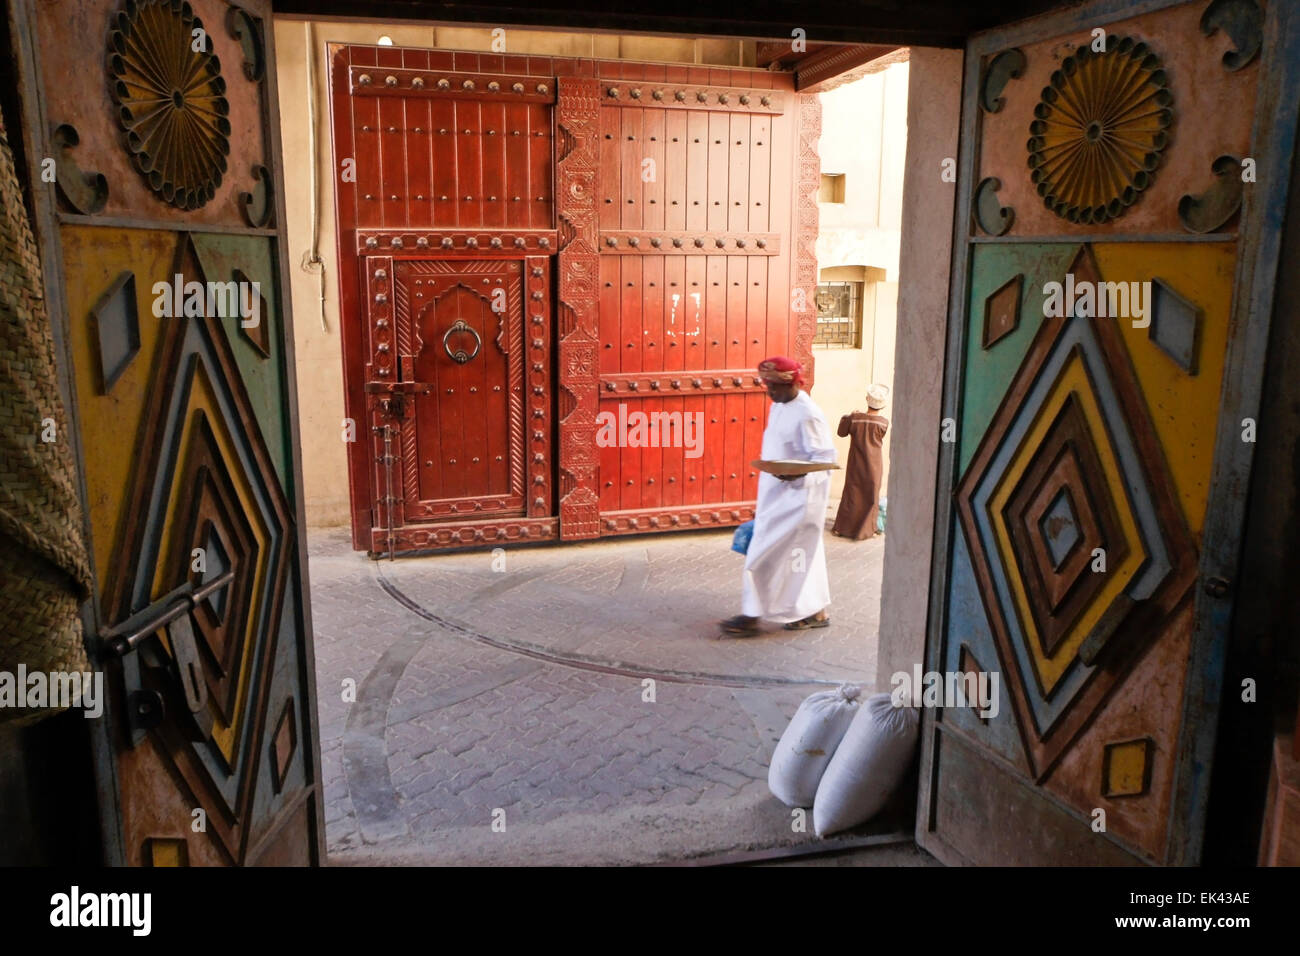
x,y
1184,408
168,852
1072,381
93,259
1126,768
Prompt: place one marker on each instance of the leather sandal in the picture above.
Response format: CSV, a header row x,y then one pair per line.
x,y
740,625
808,623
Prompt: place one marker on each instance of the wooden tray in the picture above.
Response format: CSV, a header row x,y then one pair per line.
x,y
791,466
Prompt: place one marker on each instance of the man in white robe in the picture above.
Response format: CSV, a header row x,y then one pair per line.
x,y
785,576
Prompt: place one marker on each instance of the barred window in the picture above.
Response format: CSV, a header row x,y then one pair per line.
x,y
839,315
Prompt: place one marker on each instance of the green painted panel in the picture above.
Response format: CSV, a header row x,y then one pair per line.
x,y
989,371
254,256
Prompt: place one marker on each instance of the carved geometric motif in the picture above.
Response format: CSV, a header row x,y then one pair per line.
x,y
807,218
1175,325
1059,527
204,478
1057,517
117,329
284,744
1099,130
1071,445
217,564
166,851
215,521
256,327
1002,311
577,111
1126,767
170,99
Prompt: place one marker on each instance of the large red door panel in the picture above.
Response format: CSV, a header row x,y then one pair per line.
x,y
686,159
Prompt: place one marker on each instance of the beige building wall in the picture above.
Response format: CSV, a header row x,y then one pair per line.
x,y
309,202
934,121
864,139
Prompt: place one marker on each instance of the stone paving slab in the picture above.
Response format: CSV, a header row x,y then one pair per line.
x,y
521,692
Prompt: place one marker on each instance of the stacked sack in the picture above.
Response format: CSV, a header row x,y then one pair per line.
x,y
842,758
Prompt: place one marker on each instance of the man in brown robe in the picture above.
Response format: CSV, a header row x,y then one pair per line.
x,y
860,501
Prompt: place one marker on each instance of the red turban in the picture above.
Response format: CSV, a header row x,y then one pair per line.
x,y
778,368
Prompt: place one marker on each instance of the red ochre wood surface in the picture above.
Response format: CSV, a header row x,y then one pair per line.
x,y
657,220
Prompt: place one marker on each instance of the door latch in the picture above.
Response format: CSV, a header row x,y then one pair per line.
x,y
394,405
150,677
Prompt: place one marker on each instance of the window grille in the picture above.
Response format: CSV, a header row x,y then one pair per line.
x,y
839,315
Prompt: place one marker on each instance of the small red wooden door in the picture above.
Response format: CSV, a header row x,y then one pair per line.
x,y
450,433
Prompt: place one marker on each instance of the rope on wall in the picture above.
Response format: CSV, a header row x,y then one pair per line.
x,y
312,263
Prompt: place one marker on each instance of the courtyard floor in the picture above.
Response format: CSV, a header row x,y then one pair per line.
x,y
512,690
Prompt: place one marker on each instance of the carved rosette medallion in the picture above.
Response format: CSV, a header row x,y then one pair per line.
x,y
1099,130
167,85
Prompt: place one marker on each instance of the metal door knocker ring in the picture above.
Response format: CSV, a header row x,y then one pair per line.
x,y
460,357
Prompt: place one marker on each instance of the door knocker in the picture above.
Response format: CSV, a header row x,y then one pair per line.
x,y
460,356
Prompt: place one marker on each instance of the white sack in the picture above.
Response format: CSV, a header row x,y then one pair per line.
x,y
809,742
867,766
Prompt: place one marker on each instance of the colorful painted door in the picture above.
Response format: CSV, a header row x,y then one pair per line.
x,y
1110,306
164,261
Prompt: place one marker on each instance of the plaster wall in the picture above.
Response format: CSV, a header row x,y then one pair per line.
x,y
925,253
864,138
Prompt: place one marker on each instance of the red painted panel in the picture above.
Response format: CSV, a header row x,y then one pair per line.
x,y
492,141
516,142
469,170
652,314
443,139
538,192
737,199
719,171
695,331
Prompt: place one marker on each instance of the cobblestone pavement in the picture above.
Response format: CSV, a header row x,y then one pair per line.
x,y
511,687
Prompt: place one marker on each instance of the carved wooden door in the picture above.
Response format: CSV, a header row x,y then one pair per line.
x,y
452,429
165,257
446,216
1114,278
688,218
685,204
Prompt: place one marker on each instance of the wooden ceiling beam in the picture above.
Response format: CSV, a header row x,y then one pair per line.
x,y
940,23
823,69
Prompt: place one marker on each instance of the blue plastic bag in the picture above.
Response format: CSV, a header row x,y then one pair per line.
x,y
740,540
880,515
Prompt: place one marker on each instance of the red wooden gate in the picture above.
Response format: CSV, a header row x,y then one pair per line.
x,y
683,246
